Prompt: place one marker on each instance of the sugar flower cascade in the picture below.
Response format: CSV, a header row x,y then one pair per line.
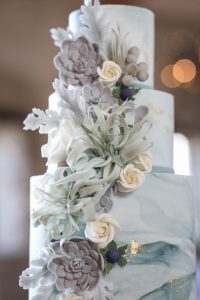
x,y
97,146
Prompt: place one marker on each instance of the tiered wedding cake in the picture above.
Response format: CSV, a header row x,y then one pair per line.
x,y
109,218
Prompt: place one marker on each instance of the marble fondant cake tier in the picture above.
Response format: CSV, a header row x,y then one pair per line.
x,y
160,218
135,22
161,114
109,219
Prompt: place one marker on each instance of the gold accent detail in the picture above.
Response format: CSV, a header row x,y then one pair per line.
x,y
135,248
155,109
172,281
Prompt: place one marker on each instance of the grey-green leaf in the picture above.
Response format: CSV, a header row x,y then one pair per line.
x,y
123,249
122,262
112,245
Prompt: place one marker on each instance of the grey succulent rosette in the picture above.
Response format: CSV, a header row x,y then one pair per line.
x,y
77,264
78,61
98,94
65,268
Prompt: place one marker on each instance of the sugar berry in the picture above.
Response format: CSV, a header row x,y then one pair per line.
x,y
126,94
113,256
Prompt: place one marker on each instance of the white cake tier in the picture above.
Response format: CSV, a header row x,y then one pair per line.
x,y
136,21
161,108
160,217
161,114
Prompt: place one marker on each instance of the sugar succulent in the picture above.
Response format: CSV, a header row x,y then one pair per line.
x,y
78,61
98,94
77,264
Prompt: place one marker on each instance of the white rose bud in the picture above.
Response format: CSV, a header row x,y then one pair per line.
x,y
109,74
143,162
128,80
130,179
103,230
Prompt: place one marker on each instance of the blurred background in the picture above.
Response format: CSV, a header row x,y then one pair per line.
x,y
26,74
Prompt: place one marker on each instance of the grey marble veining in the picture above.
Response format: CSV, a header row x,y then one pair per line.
x,y
160,215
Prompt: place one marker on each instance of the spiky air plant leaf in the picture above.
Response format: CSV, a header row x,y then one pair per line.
x,y
119,47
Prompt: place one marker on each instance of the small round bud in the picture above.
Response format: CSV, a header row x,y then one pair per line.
x,y
131,58
132,69
127,80
142,66
126,94
135,51
142,75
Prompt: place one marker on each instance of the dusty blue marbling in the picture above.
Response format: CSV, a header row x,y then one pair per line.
x,y
159,215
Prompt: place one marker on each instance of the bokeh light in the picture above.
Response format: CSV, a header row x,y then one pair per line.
x,y
184,70
177,42
161,61
167,77
194,87
197,46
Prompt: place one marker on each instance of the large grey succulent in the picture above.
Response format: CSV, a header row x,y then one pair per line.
x,y
78,61
98,94
77,264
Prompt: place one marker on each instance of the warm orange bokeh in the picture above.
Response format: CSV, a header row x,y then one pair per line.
x,y
168,78
184,70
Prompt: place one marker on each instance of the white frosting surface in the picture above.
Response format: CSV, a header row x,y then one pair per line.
x,y
136,21
150,215
161,114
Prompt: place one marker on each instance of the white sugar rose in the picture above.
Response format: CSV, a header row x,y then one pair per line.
x,y
73,296
143,162
103,230
55,149
130,179
110,73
